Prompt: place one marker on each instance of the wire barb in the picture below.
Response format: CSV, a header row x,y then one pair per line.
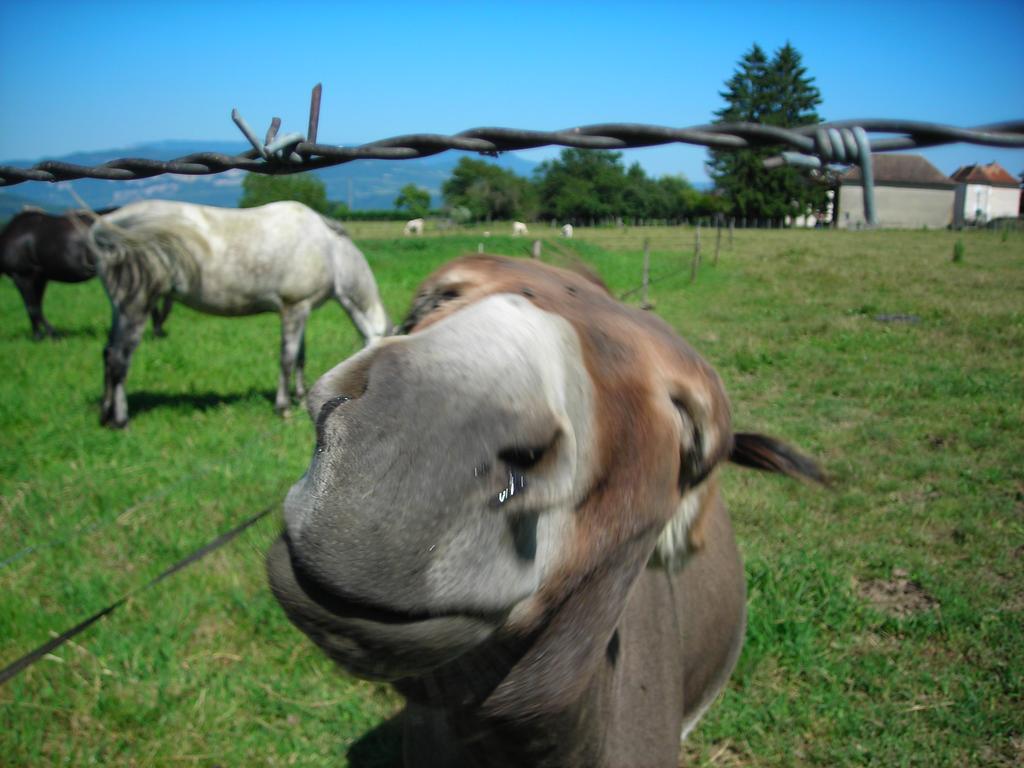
x,y
275,125
314,113
243,126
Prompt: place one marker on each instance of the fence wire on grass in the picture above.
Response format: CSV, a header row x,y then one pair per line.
x,y
202,468
197,470
27,660
843,142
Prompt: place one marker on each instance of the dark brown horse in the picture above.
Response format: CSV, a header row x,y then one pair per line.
x,y
513,515
36,247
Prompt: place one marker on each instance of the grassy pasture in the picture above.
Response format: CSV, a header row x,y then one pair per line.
x,y
886,614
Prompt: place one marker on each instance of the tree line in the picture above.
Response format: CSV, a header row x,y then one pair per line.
x,y
584,186
578,187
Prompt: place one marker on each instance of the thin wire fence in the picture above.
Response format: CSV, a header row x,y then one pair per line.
x,y
196,471
28,659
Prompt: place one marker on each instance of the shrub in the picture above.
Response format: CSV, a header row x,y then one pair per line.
x,y
958,251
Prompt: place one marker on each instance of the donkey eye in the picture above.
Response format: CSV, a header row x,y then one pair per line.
x,y
691,465
423,305
526,457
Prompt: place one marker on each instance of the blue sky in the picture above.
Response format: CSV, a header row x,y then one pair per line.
x,y
97,75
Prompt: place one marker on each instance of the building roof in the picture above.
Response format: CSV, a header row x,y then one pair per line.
x,y
902,170
993,174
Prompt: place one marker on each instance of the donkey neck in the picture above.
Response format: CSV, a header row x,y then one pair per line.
x,y
629,713
569,738
672,650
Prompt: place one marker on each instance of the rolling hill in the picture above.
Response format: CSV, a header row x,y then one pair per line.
x,y
362,184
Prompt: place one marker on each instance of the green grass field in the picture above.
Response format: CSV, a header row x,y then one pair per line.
x,y
886,614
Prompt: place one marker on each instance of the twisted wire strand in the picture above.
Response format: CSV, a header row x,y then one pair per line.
x,y
824,142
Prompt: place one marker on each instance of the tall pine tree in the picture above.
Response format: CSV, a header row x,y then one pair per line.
x,y
776,92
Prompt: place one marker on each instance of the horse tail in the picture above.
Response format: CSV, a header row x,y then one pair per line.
x,y
142,254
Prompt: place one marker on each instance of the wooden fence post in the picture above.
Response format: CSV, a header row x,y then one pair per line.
x,y
696,254
644,303
732,224
535,251
718,236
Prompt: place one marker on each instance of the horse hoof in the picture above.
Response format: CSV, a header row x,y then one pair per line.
x,y
107,420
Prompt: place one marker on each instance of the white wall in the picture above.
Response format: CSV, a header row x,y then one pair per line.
x,y
897,207
1004,201
980,203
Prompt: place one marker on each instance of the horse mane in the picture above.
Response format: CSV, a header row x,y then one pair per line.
x,y
147,250
334,225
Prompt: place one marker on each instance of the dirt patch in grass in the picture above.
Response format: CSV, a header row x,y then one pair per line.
x,y
1011,754
724,754
898,596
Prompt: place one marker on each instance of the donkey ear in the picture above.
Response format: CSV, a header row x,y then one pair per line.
x,y
750,449
705,439
705,432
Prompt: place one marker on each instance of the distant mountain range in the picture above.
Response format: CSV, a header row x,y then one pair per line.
x,y
362,184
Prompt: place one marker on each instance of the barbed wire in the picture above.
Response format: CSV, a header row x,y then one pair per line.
x,y
842,142
808,142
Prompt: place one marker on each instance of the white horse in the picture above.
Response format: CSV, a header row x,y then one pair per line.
x,y
282,257
567,231
518,228
414,227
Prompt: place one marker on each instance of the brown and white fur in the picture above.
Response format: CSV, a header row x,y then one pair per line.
x,y
513,515
282,257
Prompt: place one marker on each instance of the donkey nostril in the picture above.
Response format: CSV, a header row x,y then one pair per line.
x,y
326,411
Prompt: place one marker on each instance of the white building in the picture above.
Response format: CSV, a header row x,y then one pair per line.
x,y
910,193
984,193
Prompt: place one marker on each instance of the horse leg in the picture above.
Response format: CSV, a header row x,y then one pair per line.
x,y
125,334
293,327
31,288
300,369
159,314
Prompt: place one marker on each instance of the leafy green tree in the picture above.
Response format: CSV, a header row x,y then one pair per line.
x,y
413,200
489,192
583,185
676,198
779,93
260,189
